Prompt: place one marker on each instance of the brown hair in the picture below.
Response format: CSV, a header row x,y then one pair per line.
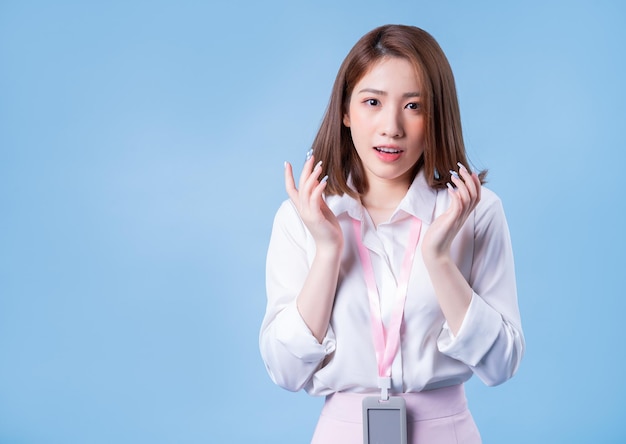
x,y
443,136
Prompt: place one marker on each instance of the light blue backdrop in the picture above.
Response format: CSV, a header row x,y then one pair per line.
x,y
141,153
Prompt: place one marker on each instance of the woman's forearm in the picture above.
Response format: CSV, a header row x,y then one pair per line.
x,y
453,292
315,301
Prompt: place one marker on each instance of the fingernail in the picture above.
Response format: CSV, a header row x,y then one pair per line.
x,y
450,187
285,164
324,179
319,164
309,154
461,166
454,173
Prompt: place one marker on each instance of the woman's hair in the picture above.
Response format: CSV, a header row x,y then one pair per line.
x,y
443,135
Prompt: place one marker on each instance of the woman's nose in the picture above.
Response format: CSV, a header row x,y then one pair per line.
x,y
391,124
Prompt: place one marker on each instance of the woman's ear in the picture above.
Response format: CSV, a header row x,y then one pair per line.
x,y
346,120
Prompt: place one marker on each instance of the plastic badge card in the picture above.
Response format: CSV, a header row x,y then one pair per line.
x,y
384,422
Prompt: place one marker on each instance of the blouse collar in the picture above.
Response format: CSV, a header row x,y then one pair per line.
x,y
419,201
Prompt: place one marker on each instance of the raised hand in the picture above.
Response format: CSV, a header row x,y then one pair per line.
x,y
463,200
308,200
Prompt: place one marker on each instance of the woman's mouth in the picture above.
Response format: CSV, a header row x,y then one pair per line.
x,y
387,154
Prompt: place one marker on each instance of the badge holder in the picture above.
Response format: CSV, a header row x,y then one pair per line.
x,y
384,420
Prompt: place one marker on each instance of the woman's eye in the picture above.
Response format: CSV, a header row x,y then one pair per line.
x,y
372,102
414,106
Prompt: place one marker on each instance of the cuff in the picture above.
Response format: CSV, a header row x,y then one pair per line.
x,y
297,338
478,332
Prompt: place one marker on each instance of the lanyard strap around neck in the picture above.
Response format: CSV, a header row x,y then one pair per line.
x,y
386,342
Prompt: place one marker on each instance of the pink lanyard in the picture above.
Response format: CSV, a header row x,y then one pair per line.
x,y
386,343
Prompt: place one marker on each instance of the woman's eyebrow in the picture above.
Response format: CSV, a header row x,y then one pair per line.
x,y
384,93
373,91
411,94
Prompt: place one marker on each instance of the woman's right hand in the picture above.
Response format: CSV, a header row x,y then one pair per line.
x,y
308,200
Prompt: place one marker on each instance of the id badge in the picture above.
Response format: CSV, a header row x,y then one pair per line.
x,y
384,421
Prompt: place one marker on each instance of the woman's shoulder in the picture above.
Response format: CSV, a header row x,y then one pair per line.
x,y
286,212
288,219
490,207
488,197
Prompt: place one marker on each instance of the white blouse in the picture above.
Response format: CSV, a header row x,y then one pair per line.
x,y
490,342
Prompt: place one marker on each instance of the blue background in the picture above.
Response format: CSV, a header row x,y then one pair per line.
x,y
141,156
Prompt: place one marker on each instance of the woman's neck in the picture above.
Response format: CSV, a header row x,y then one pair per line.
x,y
382,198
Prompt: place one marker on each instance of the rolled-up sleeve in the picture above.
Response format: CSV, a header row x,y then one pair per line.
x,y
490,340
290,351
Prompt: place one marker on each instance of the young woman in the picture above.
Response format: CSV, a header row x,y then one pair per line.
x,y
390,270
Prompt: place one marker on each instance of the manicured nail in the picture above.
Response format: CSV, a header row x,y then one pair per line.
x,y
324,179
309,154
454,173
319,164
461,166
450,187
285,164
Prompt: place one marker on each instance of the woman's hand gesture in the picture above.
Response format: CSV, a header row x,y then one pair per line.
x,y
463,200
308,200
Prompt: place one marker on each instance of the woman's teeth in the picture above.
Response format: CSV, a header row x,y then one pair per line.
x,y
386,150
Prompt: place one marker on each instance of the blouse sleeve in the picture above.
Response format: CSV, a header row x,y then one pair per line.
x,y
490,340
290,351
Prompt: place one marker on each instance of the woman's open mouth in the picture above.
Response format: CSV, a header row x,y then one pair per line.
x,y
388,154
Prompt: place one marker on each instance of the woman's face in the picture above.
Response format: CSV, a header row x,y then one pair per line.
x,y
386,121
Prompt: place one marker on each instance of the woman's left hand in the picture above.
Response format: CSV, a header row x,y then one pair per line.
x,y
463,200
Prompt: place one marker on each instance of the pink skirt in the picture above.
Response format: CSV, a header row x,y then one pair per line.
x,y
436,416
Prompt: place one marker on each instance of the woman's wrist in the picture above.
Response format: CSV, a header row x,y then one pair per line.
x,y
435,258
329,250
